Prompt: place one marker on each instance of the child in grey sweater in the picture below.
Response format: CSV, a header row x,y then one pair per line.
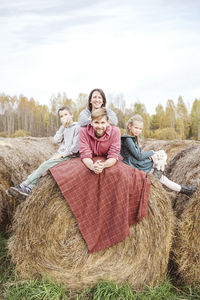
x,y
67,136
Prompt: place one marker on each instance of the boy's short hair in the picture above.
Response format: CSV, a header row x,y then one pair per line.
x,y
99,113
65,108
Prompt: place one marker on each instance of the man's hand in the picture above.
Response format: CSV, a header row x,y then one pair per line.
x,y
98,166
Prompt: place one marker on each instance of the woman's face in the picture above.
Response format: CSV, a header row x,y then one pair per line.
x,y
96,100
136,128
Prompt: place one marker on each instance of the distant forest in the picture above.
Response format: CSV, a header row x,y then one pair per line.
x,y
20,116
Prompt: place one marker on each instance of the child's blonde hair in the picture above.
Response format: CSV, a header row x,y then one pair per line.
x,y
131,122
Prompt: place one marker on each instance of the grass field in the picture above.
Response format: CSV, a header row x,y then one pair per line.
x,y
12,288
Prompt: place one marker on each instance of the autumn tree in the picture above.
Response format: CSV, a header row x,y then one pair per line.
x,y
182,121
81,103
170,114
158,119
118,101
195,120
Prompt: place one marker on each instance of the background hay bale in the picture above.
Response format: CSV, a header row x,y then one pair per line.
x,y
18,158
175,149
47,241
186,246
184,168
185,257
171,147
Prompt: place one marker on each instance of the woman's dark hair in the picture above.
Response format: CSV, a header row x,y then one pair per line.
x,y
101,92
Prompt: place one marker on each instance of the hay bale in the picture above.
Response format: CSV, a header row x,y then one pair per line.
x,y
171,147
175,149
184,168
47,241
186,246
18,158
185,257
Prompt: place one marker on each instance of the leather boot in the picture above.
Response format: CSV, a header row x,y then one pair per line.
x,y
188,189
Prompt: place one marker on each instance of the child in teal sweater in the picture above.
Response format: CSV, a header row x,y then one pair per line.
x,y
147,161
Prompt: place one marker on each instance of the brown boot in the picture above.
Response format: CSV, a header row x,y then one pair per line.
x,y
188,189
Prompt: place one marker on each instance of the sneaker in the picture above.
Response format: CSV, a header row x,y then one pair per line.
x,y
19,190
8,193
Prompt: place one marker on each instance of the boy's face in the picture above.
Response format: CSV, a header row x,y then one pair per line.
x,y
99,125
65,117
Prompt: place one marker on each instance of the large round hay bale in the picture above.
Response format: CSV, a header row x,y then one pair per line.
x,y
47,241
175,149
186,245
185,169
18,158
171,147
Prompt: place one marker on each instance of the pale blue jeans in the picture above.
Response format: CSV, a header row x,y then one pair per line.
x,y
33,178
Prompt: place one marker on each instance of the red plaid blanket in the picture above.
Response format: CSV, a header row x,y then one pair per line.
x,y
105,205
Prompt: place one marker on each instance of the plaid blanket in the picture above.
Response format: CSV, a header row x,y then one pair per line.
x,y
105,205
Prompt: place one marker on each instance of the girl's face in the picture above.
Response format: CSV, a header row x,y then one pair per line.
x,y
96,100
136,128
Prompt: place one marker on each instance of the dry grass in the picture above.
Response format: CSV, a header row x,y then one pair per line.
x,y
186,246
47,241
18,158
171,147
185,168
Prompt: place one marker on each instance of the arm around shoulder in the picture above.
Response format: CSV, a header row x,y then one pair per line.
x,y
84,117
112,117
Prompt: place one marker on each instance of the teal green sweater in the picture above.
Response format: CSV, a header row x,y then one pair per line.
x,y
133,156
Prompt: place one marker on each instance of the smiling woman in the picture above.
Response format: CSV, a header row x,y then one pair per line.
x,y
96,99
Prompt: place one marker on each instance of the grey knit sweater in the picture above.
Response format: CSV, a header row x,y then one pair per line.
x,y
68,137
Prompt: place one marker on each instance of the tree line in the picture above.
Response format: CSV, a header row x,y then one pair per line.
x,y
20,116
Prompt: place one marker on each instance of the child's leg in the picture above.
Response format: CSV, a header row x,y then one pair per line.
x,y
170,184
33,178
184,189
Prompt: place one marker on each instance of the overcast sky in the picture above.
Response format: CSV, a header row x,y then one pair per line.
x,y
147,50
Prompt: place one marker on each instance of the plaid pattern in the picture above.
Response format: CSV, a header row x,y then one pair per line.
x,y
105,205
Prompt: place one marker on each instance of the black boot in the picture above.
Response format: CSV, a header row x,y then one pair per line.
x,y
188,189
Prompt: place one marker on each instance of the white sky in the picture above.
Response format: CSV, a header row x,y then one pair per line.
x,y
147,50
